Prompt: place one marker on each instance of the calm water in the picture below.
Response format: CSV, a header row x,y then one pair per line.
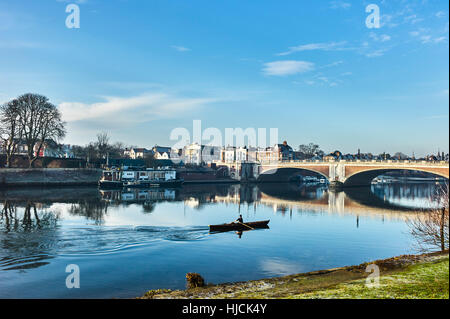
x,y
126,243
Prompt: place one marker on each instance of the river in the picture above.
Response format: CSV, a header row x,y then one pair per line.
x,y
127,242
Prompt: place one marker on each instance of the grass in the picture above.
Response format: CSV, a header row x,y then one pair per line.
x,y
404,277
423,281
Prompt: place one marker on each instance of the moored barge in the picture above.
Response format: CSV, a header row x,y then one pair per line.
x,y
139,178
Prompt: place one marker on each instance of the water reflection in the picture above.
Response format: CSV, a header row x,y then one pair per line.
x,y
94,210
32,235
408,196
150,238
93,204
26,218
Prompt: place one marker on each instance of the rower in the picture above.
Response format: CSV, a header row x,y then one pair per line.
x,y
240,220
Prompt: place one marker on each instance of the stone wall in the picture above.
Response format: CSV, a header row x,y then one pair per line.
x,y
22,177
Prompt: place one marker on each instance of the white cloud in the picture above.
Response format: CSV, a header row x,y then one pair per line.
x,y
20,45
131,110
316,46
435,117
289,67
440,14
340,5
320,79
388,20
327,81
376,53
180,48
413,19
423,35
379,38
439,40
426,39
332,64
73,1
385,37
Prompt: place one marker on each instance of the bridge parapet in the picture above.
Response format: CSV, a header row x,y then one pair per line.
x,y
355,173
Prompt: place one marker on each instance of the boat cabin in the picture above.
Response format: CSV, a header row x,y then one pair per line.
x,y
149,174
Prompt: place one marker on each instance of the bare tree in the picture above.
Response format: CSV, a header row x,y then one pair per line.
x,y
79,151
103,146
40,121
116,150
309,150
10,129
91,152
431,228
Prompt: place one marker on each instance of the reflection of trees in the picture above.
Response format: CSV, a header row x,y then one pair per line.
x,y
91,209
293,191
28,221
148,207
25,250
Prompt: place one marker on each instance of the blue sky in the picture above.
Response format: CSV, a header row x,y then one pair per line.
x,y
312,69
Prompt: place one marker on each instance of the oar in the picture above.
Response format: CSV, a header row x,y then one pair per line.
x,y
245,225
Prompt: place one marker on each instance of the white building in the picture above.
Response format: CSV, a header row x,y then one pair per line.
x,y
162,152
201,154
136,153
192,154
241,154
230,154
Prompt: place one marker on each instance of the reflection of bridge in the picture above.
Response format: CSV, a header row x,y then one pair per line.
x,y
284,198
353,173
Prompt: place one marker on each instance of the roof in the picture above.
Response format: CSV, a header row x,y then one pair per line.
x,y
162,149
284,147
140,150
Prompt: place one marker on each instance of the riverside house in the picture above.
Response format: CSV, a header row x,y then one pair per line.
x,y
197,154
140,152
162,152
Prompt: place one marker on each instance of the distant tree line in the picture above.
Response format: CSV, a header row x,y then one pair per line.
x,y
99,149
310,150
29,119
102,149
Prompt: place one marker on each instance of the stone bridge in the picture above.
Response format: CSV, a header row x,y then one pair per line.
x,y
338,173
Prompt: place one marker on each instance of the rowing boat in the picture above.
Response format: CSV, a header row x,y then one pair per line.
x,y
239,226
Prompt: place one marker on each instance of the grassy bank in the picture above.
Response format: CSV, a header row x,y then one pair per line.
x,y
408,276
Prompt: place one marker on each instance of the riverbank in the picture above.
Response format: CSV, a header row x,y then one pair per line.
x,y
55,177
403,277
31,177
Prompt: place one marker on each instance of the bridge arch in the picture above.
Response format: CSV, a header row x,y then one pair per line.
x,y
364,178
285,174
